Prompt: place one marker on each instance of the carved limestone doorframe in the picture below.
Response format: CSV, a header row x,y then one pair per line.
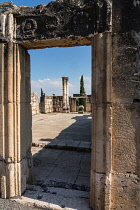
x,y
58,24
102,121
15,127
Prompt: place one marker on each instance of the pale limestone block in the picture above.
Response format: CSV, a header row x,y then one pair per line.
x,y
1,72
2,143
1,86
126,135
10,180
3,186
24,174
10,26
2,25
101,68
101,138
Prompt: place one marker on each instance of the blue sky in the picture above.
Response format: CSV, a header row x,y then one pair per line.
x,y
49,65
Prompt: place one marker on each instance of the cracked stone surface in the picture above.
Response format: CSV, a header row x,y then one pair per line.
x,y
62,180
55,198
62,169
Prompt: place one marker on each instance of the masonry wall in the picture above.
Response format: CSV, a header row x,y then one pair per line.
x,y
125,188
35,104
88,104
50,104
72,104
58,104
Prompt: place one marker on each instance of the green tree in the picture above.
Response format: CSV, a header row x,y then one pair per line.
x,y
82,89
82,101
42,93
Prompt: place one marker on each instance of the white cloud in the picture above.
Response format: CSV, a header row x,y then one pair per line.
x,y
49,86
54,86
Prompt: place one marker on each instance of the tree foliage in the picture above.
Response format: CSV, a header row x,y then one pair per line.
x,y
42,93
82,101
82,89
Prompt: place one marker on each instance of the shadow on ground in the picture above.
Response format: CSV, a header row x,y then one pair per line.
x,y
62,177
80,130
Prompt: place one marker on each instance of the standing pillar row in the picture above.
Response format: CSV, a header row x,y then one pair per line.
x,y
66,107
15,120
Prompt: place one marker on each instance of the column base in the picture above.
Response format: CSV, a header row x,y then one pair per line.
x,y
14,177
100,191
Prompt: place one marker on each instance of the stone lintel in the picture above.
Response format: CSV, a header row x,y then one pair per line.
x,y
58,24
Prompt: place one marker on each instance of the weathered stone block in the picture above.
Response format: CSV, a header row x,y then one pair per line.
x,y
125,191
125,75
125,139
25,128
101,137
101,72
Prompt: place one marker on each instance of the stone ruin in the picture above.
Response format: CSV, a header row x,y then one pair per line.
x,y
112,28
60,104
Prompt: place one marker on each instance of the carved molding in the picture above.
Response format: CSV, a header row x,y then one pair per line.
x,y
58,19
28,28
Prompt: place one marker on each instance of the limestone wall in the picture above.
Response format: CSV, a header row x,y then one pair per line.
x,y
88,104
57,103
35,103
46,104
50,104
72,104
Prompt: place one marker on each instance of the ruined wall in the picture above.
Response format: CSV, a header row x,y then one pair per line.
x,y
35,104
58,104
88,104
72,104
50,104
46,104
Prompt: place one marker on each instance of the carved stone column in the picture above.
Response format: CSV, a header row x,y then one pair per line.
x,y
65,95
15,120
102,118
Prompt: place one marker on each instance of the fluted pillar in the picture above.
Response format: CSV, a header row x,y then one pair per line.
x,y
15,120
65,94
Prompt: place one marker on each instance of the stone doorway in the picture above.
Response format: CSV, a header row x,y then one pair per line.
x,y
112,28
61,157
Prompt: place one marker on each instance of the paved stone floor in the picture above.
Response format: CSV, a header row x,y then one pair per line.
x,y
6,204
63,169
62,176
71,130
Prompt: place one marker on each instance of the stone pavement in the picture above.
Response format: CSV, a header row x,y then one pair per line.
x,y
7,204
61,130
61,176
63,169
62,180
